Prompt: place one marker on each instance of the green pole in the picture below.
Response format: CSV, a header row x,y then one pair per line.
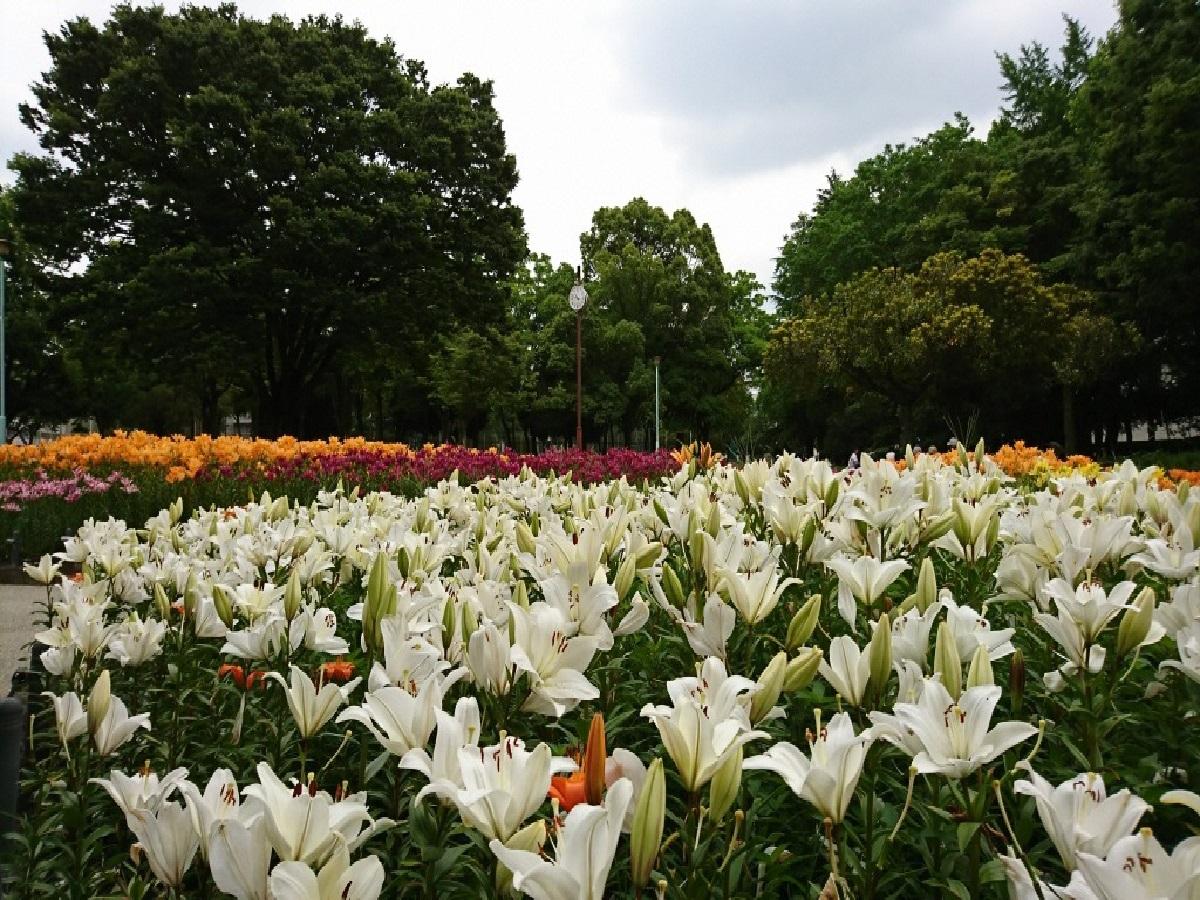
x,y
657,414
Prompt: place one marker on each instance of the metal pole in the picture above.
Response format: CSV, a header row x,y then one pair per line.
x,y
3,382
579,380
657,408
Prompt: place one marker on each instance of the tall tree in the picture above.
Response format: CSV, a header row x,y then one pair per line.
x,y
251,203
1140,110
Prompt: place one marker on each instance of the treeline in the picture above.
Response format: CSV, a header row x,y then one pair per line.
x,y
288,218
1043,280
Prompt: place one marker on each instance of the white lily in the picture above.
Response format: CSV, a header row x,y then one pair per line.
x,y
337,880
707,723
45,571
142,791
554,662
168,840
1077,814
69,716
400,718
972,629
848,669
1021,887
586,844
136,641
117,727
864,580
454,732
827,777
501,786
1089,605
954,737
1138,868
311,708
239,857
755,594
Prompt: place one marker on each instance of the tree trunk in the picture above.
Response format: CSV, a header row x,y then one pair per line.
x,y
1068,420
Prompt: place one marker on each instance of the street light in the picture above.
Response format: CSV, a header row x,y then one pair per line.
x,y
5,249
657,408
578,299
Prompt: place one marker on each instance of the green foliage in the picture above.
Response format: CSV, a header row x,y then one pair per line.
x,y
262,205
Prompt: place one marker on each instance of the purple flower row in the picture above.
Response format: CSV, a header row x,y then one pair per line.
x,y
18,493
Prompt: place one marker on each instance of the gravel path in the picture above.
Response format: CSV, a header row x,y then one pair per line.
x,y
19,607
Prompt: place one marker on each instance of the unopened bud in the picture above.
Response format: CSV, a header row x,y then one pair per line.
x,y
645,835
880,650
525,539
926,586
770,684
98,702
803,623
1135,623
979,673
726,782
162,603
521,595
802,669
623,582
223,603
672,587
594,759
293,595
946,661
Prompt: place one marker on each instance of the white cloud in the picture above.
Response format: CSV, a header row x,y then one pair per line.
x,y
731,108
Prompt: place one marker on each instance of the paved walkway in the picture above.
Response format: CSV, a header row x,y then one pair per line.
x,y
19,607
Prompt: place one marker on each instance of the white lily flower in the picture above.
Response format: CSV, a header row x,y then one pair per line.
x,y
1187,641
254,602
910,634
59,660
311,708
1089,605
167,838
638,616
1138,868
117,727
583,605
1077,814
1021,887
142,791
848,669
488,659
136,641
502,785
262,640
45,571
827,777
754,594
972,629
221,800
554,662
583,856
320,631
864,580
337,880
69,716
305,824
239,857
400,718
707,723
954,737
454,732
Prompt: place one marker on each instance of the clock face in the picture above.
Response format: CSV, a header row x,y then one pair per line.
x,y
577,298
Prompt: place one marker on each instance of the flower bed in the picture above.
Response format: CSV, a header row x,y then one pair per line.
x,y
774,680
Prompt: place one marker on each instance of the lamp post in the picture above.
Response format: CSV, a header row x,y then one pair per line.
x,y
5,248
657,407
578,299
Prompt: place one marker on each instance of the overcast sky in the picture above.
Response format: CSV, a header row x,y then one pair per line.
x,y
736,110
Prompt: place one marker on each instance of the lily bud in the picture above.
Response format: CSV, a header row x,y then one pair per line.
x,y
223,603
645,835
880,650
1135,623
726,782
946,661
98,701
802,669
623,582
1182,490
162,603
649,555
979,452
739,484
910,458
696,547
531,838
770,684
448,617
807,535
940,527
293,595
713,525
594,759
672,587
660,512
1016,681
521,595
926,586
980,671
526,542
175,510
831,492
803,623
404,562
